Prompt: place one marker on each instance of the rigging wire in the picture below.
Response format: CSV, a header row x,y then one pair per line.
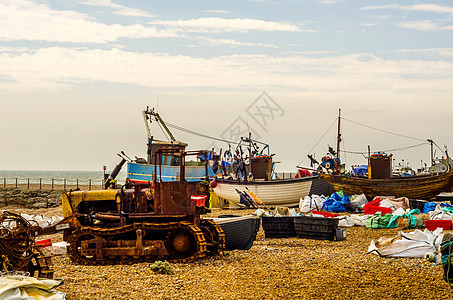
x,y
388,150
377,129
325,133
342,140
164,131
197,133
442,150
405,148
318,141
385,131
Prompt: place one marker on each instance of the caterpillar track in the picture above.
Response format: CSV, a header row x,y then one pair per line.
x,y
215,237
180,242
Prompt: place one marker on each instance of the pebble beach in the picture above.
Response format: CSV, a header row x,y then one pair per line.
x,y
284,268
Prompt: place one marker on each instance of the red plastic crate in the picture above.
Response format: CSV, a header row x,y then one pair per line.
x,y
432,225
372,207
325,214
199,200
371,210
44,243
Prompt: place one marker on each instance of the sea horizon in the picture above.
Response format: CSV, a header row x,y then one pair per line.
x,y
46,176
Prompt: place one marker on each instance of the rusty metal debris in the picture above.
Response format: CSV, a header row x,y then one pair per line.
x,y
17,247
158,220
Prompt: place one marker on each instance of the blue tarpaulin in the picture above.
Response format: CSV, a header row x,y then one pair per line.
x,y
336,202
360,170
429,206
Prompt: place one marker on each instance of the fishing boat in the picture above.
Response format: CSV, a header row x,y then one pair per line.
x,y
262,181
277,192
142,171
413,187
381,181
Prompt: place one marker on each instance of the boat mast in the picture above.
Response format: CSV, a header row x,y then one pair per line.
x,y
337,162
431,142
148,131
151,113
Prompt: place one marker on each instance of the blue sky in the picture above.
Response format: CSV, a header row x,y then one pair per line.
x,y
75,75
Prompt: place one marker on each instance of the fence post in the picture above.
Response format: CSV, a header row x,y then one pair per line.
x,y
52,184
16,183
28,183
39,183
64,186
89,185
4,182
77,183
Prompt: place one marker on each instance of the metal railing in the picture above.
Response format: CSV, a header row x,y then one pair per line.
x,y
284,175
54,184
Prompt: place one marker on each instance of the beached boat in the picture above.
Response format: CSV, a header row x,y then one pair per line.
x,y
381,181
142,171
240,231
262,182
278,192
413,187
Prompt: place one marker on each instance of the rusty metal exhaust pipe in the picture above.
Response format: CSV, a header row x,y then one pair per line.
x,y
115,172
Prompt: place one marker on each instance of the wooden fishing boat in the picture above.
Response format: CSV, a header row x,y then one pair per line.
x,y
381,181
413,187
278,192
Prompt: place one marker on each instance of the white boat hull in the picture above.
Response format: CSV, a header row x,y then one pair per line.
x,y
285,192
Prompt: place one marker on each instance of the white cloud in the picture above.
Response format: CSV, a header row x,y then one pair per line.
x,y
420,25
374,7
228,25
230,43
430,8
216,11
417,7
118,9
19,19
382,17
424,25
55,68
26,20
443,52
368,24
309,53
331,1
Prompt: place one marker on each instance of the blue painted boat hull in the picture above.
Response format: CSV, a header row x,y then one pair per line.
x,y
144,173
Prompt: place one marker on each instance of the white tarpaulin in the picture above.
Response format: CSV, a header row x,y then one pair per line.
x,y
55,249
352,220
19,287
42,220
308,203
413,244
439,214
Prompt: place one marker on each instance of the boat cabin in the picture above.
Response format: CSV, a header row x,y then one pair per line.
x,y
380,166
165,159
261,167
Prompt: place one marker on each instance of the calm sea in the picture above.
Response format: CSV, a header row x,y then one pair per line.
x,y
58,176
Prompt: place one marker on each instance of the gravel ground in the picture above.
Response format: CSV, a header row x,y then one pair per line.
x,y
272,269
